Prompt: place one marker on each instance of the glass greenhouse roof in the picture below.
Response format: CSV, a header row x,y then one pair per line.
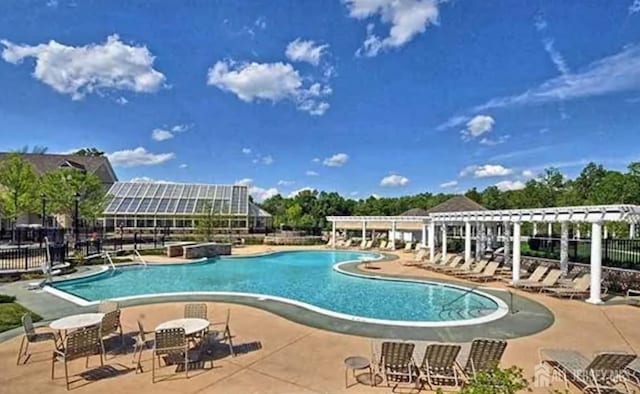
x,y
146,198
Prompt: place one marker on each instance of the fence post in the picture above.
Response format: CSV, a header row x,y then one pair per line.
x,y
605,255
135,241
26,259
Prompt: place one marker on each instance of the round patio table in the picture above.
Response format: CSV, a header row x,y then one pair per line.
x,y
75,322
190,325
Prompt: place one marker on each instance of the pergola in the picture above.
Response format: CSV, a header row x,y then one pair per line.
x,y
488,223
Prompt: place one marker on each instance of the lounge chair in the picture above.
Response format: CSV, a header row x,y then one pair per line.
x,y
390,246
478,268
454,263
550,280
439,367
348,243
369,244
485,354
603,373
31,336
407,247
439,262
466,266
489,274
396,363
580,288
382,245
417,259
78,344
534,278
110,325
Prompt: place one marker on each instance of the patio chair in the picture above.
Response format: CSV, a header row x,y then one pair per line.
x,y
455,262
195,311
78,344
369,244
438,262
602,373
223,335
485,354
580,288
396,363
382,245
466,266
110,325
141,343
107,306
489,274
407,247
173,345
31,336
550,280
534,278
439,367
347,244
416,260
632,372
478,268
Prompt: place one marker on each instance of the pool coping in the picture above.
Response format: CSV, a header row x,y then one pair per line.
x,y
527,316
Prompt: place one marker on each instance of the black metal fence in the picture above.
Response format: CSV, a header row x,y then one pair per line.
x,y
31,258
619,253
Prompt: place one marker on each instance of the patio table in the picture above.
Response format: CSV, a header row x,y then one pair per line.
x,y
75,322
191,326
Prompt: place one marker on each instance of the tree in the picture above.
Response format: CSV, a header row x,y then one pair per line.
x,y
207,222
89,152
37,149
60,187
19,186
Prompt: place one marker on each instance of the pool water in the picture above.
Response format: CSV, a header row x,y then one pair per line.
x,y
301,276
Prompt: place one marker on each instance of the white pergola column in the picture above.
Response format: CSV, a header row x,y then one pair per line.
x,y
333,234
444,240
549,229
424,235
606,232
432,242
478,254
467,241
393,232
564,248
578,231
507,242
364,234
535,229
632,231
516,252
596,262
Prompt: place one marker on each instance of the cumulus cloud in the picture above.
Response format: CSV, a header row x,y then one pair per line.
x,y
273,82
486,171
528,174
246,151
497,141
146,179
267,160
634,7
183,165
78,71
285,183
510,185
394,180
337,160
166,133
477,126
138,157
259,194
305,51
407,18
311,173
449,184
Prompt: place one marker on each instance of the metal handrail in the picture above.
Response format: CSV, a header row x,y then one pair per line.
x,y
106,254
140,257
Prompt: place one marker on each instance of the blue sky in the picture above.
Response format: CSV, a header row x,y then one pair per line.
x,y
361,97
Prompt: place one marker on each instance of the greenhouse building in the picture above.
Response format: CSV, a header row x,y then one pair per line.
x,y
180,206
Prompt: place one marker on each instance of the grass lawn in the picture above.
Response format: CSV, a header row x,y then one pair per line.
x,y
11,314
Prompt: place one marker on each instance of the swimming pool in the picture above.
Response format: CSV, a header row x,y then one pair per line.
x,y
311,279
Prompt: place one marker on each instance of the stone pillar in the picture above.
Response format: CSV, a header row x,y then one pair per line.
x,y
364,234
596,262
516,252
333,234
432,242
424,235
467,241
507,242
393,236
444,241
564,248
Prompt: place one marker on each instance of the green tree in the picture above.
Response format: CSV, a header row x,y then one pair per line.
x,y
89,152
18,186
37,149
496,381
207,222
60,187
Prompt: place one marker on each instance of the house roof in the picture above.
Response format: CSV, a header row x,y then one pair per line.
x,y
44,163
457,204
415,212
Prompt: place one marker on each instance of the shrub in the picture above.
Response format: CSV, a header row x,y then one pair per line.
x,y
6,299
497,381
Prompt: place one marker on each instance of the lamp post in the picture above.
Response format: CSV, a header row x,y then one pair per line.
x,y
76,232
44,207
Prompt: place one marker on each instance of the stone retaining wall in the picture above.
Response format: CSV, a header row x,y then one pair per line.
x,y
206,250
175,250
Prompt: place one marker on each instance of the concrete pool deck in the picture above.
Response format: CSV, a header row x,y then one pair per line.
x,y
285,356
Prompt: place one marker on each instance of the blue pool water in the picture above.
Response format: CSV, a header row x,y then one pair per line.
x,y
304,276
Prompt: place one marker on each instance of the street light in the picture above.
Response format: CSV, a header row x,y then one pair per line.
x,y
76,233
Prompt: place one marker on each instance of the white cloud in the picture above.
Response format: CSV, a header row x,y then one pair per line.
x,y
540,23
556,57
337,160
146,179
285,183
486,171
316,160
612,74
183,165
122,101
82,70
261,23
454,121
163,134
259,194
528,174
246,151
296,192
407,18
510,185
305,51
634,7
267,160
394,180
449,184
354,194
269,81
138,157
311,173
479,125
52,3
492,142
